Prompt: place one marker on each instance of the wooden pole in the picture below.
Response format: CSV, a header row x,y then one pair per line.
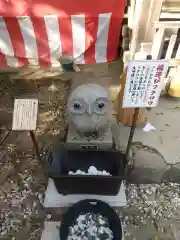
x,y
35,145
133,127
5,137
32,135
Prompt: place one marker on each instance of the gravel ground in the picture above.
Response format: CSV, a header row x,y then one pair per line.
x,y
20,198
152,212
22,177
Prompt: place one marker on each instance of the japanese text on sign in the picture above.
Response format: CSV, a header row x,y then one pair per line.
x,y
25,114
144,83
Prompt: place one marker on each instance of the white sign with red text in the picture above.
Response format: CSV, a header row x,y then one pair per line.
x,y
144,83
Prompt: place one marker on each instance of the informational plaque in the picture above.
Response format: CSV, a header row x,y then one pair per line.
x,y
144,83
25,114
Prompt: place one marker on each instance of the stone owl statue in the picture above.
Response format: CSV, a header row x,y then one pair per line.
x,y
89,108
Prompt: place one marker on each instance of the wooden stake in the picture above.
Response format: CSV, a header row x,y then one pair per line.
x,y
32,135
5,137
133,127
36,146
135,117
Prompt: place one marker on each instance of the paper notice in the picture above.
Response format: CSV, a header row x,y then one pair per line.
x,y
25,114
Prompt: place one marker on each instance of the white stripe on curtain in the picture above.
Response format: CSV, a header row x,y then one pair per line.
x,y
29,38
102,37
78,37
54,39
6,46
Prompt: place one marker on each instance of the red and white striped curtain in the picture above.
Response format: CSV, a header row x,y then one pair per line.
x,y
40,31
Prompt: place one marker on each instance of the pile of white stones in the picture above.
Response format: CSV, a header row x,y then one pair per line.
x,y
90,226
91,171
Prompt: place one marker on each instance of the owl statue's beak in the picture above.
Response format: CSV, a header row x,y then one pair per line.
x,y
89,110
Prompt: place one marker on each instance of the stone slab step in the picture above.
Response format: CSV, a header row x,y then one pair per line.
x,y
55,200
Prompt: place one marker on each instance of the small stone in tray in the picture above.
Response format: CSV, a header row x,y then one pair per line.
x,y
91,171
90,226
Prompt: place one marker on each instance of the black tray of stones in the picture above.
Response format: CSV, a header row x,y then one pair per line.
x,y
87,171
90,219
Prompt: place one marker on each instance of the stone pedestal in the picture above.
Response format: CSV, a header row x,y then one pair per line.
x,y
51,231
55,201
75,140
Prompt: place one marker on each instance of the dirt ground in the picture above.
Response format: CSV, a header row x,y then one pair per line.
x,y
152,212
22,177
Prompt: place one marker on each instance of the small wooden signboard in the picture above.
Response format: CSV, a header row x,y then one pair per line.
x,y
25,114
25,119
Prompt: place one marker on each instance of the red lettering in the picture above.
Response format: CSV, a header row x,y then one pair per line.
x,y
160,67
158,74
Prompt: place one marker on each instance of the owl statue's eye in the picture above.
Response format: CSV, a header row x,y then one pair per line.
x,y
101,105
76,106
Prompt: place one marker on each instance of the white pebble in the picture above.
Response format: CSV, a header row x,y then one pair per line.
x,y
81,218
49,216
78,172
91,171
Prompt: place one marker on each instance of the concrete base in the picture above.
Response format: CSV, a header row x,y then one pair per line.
x,y
74,140
51,231
166,138
56,200
156,155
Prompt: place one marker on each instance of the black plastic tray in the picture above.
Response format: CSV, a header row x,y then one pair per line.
x,y
91,206
64,160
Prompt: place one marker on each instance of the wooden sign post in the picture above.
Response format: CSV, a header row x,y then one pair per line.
x,y
25,119
142,89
